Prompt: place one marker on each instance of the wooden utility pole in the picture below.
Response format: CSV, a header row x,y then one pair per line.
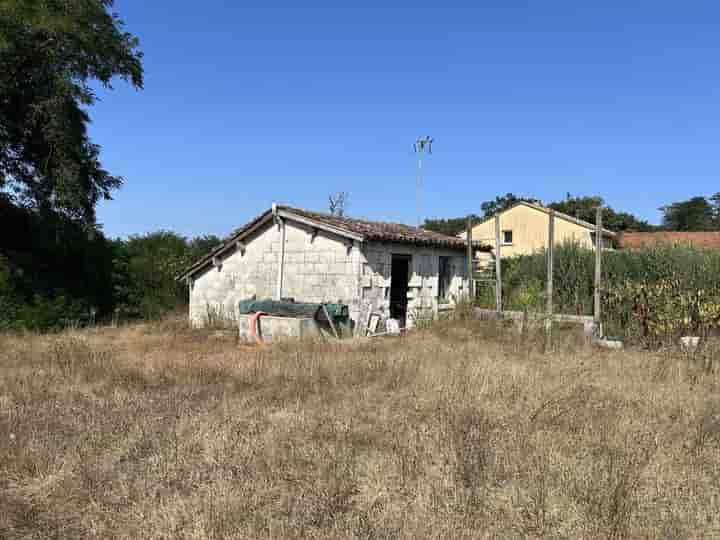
x,y
471,283
498,266
549,284
598,269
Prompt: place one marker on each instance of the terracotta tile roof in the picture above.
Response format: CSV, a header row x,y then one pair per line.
x,y
357,229
381,231
635,240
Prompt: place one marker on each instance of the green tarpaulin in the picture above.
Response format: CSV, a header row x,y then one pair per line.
x,y
293,309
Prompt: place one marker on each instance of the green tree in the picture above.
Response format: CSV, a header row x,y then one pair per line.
x,y
585,208
694,214
54,269
145,269
714,201
449,226
50,54
502,203
200,246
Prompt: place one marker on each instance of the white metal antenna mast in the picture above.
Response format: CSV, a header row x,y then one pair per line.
x,y
422,145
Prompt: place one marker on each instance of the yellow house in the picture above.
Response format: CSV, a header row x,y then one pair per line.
x,y
524,230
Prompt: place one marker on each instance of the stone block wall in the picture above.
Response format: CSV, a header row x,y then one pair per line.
x,y
376,271
318,267
321,267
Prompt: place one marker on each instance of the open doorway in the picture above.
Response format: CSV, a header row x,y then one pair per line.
x,y
399,281
444,279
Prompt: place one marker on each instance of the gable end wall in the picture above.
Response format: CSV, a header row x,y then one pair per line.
x,y
316,269
530,231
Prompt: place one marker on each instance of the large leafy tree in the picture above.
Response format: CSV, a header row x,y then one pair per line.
x,y
51,52
694,214
145,269
52,269
502,203
449,226
585,208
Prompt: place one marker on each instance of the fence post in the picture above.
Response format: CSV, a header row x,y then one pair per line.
x,y
471,283
549,284
498,267
598,270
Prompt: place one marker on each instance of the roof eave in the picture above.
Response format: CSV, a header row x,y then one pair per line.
x,y
225,246
289,214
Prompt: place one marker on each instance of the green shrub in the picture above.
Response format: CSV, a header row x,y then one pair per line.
x,y
9,302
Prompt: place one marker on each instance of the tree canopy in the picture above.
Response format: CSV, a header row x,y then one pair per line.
x,y
449,226
54,272
145,270
50,54
503,202
695,214
579,207
585,208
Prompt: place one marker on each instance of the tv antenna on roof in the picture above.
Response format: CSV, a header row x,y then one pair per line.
x,y
422,145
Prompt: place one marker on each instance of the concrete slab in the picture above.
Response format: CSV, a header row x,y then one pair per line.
x,y
278,328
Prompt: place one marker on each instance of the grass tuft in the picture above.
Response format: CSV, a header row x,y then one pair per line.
x,y
459,430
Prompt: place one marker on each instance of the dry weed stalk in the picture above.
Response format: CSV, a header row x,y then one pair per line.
x,y
460,430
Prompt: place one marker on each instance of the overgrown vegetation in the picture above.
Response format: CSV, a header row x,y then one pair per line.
x,y
653,295
56,267
457,431
55,272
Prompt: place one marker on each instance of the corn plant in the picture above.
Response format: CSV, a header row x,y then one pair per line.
x,y
652,295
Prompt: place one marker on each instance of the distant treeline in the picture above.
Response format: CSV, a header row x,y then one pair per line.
x,y
55,271
695,214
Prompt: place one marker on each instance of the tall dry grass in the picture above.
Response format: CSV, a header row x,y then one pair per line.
x,y
456,431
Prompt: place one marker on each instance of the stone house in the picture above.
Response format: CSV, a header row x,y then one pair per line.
x,y
393,270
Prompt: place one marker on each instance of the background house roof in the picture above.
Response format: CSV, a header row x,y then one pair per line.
x,y
561,215
352,228
634,240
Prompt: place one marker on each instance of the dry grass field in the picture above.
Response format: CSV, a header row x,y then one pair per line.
x,y
455,431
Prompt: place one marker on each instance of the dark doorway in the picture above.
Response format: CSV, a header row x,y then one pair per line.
x,y
399,280
444,278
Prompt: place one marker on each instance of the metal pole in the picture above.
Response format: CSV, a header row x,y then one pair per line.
x,y
471,283
549,285
281,259
419,188
422,144
498,266
598,269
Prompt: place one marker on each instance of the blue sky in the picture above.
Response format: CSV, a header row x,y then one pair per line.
x,y
246,103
